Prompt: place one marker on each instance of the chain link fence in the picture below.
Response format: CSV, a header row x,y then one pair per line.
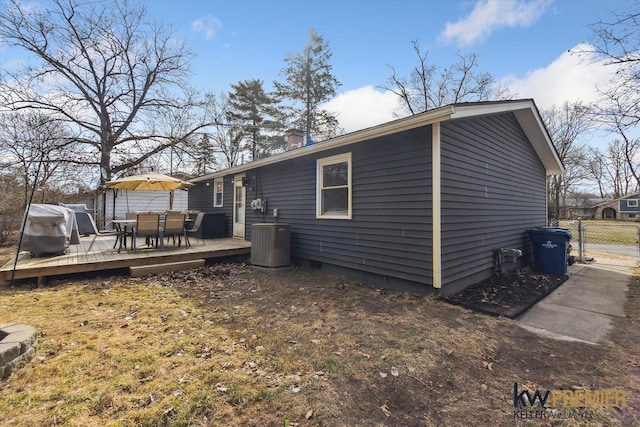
x,y
605,242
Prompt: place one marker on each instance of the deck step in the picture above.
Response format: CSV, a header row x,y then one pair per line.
x,y
143,270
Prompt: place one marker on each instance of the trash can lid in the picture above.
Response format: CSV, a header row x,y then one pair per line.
x,y
551,231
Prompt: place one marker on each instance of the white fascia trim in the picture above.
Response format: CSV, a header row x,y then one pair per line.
x,y
480,108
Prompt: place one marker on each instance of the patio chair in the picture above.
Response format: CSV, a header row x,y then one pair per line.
x,y
123,231
174,227
195,228
97,233
147,225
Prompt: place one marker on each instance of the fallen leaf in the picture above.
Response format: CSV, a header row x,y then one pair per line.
x,y
394,371
309,414
294,378
368,356
383,374
385,410
488,365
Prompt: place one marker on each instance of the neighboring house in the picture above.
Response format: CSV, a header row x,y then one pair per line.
x,y
624,208
583,208
414,204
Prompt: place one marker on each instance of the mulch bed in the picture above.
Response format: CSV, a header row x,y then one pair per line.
x,y
508,295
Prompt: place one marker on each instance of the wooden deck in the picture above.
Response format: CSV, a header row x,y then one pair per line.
x,y
103,257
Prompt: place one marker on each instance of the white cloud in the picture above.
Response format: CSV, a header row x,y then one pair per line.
x,y
571,77
363,107
209,25
488,15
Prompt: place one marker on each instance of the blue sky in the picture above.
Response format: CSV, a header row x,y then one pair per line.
x,y
522,43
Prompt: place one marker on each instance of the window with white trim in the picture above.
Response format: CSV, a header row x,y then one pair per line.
x,y
632,216
333,182
218,191
632,203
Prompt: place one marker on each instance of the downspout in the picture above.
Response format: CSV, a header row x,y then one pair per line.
x,y
435,206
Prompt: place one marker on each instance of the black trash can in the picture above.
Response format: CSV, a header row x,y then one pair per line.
x,y
550,249
213,226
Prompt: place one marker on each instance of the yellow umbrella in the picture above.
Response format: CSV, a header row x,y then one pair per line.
x,y
151,181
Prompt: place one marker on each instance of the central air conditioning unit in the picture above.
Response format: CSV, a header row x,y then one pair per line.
x,y
271,244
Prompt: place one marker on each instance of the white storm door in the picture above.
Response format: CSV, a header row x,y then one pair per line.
x,y
239,205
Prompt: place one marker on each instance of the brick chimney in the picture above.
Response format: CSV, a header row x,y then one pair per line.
x,y
295,139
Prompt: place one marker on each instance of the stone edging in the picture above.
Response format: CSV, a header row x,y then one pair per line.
x,y
17,347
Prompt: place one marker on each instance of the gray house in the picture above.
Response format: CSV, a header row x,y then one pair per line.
x,y
417,204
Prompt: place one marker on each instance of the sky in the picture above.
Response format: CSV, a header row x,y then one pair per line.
x,y
524,44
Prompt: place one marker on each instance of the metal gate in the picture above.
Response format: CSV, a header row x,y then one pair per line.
x,y
606,243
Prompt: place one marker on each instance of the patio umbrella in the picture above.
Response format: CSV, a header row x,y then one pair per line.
x,y
150,181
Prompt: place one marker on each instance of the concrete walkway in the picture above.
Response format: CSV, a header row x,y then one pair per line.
x,y
582,308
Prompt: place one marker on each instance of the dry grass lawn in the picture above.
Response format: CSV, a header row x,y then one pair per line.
x,y
237,346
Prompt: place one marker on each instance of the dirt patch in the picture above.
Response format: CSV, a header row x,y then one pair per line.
x,y
510,294
232,345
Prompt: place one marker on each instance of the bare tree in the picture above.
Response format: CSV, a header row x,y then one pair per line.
x,y
618,169
567,126
228,133
429,86
596,168
102,67
616,44
34,148
610,169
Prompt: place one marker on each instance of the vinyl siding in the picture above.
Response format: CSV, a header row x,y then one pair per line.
x,y
201,198
390,230
201,195
624,205
493,190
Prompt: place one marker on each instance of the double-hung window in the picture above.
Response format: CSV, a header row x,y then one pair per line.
x,y
632,203
333,181
218,188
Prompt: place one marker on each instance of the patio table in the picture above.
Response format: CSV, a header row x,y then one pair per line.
x,y
122,226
